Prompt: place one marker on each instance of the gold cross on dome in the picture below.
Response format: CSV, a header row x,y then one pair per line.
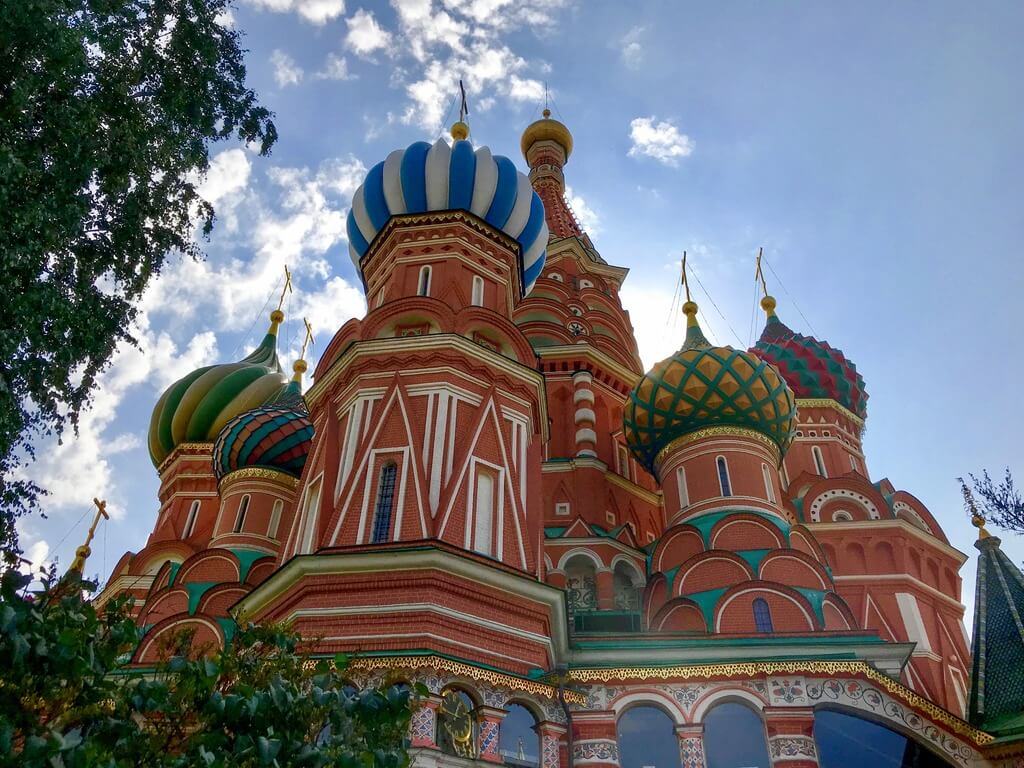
x,y
686,283
287,287
309,340
759,275
78,564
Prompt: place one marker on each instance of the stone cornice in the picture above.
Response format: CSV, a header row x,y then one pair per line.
x,y
872,526
828,402
258,473
713,432
595,355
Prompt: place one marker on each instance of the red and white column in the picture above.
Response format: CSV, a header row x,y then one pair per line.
x,y
585,419
691,745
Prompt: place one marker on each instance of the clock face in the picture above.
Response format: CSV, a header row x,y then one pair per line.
x,y
457,721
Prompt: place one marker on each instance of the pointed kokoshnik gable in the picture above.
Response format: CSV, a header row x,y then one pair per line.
x,y
425,178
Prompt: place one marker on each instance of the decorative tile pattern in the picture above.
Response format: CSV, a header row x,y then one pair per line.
x,y
422,727
782,748
549,751
691,752
787,690
596,751
488,737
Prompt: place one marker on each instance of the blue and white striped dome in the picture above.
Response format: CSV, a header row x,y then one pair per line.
x,y
441,177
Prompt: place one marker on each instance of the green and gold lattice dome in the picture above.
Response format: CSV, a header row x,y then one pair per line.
x,y
704,386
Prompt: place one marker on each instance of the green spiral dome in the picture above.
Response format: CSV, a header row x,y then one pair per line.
x,y
706,386
196,407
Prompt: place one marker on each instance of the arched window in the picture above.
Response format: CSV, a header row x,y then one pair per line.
x,y
275,519
581,584
842,516
769,486
845,740
190,520
518,742
784,475
853,463
243,508
734,736
478,291
647,737
423,288
723,476
819,460
456,724
684,492
627,587
762,615
385,503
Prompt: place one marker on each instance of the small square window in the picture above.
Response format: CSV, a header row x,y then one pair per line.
x,y
562,509
609,517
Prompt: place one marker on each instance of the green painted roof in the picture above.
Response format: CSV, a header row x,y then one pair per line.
x,y
997,664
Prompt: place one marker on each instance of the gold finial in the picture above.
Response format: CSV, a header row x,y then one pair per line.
x,y
460,130
767,302
977,519
546,113
277,316
689,307
83,552
300,366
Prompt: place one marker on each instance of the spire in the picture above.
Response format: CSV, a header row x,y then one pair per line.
x,y
997,651
546,145
774,328
695,338
299,367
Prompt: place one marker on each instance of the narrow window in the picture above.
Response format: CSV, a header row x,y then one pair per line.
x,y
819,460
624,461
243,507
275,519
310,514
385,503
762,615
853,463
769,487
784,475
190,520
478,291
684,492
424,285
380,297
723,476
483,513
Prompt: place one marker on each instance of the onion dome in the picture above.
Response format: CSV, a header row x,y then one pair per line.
x,y
703,386
812,368
275,436
547,129
425,178
195,408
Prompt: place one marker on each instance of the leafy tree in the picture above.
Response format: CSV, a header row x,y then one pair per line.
x,y
67,698
1000,503
108,109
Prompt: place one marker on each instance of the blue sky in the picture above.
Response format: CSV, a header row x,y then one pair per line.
x,y
872,149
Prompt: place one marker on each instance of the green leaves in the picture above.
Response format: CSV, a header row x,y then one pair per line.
x,y
108,109
68,699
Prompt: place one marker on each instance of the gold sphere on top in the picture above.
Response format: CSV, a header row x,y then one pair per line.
x,y
547,129
277,316
768,304
300,366
460,131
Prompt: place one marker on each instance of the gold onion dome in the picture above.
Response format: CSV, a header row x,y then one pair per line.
x,y
195,408
703,386
547,129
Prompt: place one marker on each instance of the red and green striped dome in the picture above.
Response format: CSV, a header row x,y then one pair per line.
x,y
812,368
706,386
276,436
195,408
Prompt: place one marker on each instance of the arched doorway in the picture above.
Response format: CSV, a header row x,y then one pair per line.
x,y
647,737
734,737
844,739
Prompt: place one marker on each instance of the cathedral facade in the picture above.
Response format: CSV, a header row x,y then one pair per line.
x,y
585,563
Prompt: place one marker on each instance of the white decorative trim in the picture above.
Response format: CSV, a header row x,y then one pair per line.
x,y
586,436
585,414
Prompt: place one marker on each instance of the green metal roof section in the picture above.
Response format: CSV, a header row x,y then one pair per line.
x,y
196,590
704,523
753,557
174,574
246,557
997,656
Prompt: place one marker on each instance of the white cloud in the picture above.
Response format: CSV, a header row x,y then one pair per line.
x,y
335,68
585,215
660,140
365,35
286,71
630,49
317,12
523,89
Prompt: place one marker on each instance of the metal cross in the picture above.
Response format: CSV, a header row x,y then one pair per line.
x,y
287,286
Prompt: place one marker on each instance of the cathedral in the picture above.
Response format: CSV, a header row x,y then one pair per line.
x,y
587,564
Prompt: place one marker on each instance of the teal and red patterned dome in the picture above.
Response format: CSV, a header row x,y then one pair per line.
x,y
702,386
276,436
813,369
